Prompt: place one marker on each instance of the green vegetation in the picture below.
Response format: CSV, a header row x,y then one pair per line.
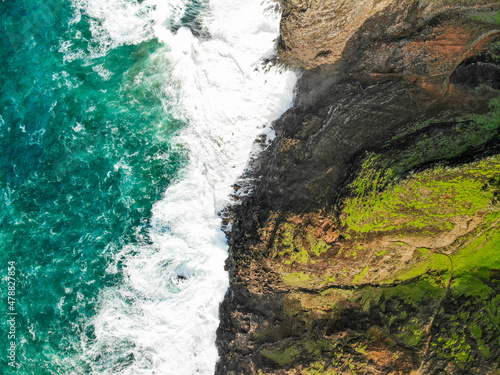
x,y
296,244
426,202
372,178
318,368
304,350
420,292
488,17
478,257
359,277
284,357
494,185
429,142
447,295
466,328
297,279
461,2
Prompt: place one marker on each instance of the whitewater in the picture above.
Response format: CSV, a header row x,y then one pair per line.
x,y
163,315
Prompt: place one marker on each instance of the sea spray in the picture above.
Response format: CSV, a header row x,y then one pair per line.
x,y
162,319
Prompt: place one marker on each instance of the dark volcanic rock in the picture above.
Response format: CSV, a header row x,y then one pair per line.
x,y
405,93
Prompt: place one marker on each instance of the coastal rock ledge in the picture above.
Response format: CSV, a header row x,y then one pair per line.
x,y
370,243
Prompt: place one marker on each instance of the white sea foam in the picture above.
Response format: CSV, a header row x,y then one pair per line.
x,y
162,319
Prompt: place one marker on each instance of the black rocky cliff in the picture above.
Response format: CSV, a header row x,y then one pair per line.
x,y
370,243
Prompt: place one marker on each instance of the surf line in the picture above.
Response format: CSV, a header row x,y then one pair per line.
x,y
163,317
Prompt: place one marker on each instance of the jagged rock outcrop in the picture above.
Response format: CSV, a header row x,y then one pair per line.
x,y
316,32
370,242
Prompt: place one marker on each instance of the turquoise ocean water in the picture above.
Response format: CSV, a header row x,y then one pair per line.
x,y
123,125
84,153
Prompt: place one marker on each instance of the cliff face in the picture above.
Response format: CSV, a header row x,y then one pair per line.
x,y
316,32
370,243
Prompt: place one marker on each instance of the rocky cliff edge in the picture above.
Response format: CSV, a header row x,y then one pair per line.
x,y
370,243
